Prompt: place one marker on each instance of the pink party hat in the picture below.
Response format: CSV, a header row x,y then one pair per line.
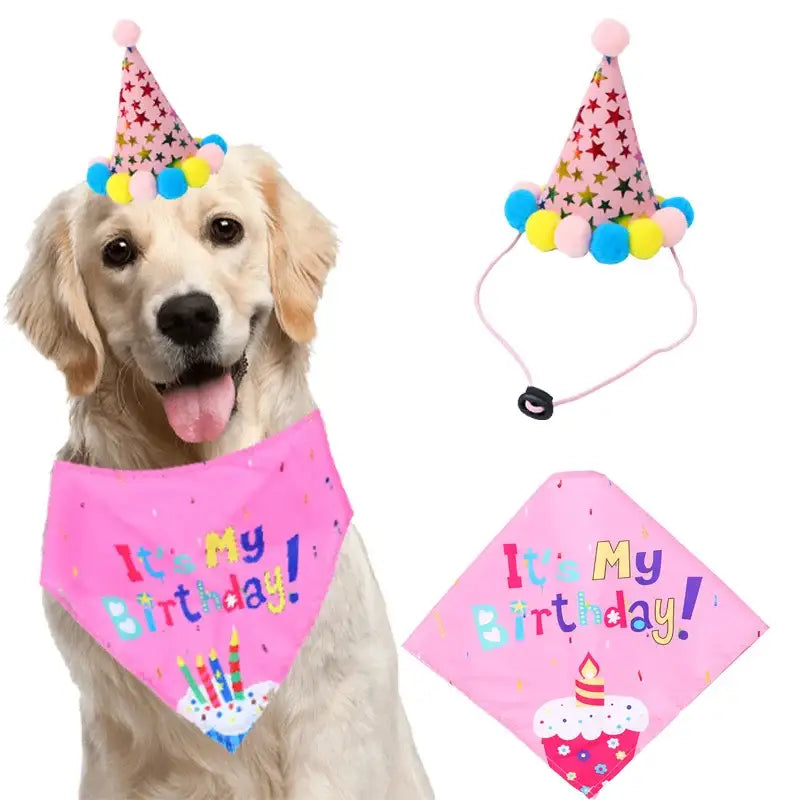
x,y
599,200
154,153
600,178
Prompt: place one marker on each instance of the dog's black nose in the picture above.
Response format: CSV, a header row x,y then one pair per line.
x,y
188,319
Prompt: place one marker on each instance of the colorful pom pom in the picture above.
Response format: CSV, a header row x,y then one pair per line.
x,y
683,205
213,154
196,170
610,243
215,138
672,223
541,229
610,37
171,183
97,175
646,237
126,33
118,187
573,236
143,186
520,204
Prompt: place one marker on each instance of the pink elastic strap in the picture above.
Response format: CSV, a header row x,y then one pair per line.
x,y
563,401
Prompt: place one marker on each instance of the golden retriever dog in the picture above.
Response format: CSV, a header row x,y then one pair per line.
x,y
217,288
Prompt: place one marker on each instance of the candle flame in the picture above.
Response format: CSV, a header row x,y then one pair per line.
x,y
181,662
234,638
589,668
199,660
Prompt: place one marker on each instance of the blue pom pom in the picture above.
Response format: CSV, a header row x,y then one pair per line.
x,y
96,177
683,205
519,206
171,183
610,243
215,138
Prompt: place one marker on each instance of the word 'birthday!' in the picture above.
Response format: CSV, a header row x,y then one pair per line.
x,y
155,609
567,612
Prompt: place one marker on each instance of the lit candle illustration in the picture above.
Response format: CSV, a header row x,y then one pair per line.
x,y
219,676
191,681
589,688
205,676
233,659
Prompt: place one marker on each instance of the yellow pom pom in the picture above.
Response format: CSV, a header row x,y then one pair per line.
x,y
541,229
659,199
646,237
196,170
118,187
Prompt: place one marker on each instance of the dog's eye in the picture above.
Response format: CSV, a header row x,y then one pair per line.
x,y
225,231
119,252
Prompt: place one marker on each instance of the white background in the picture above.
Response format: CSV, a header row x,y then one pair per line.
x,y
406,123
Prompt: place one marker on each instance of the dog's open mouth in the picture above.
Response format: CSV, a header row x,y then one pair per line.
x,y
199,404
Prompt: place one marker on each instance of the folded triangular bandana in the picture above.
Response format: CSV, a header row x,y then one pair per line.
x,y
584,628
204,580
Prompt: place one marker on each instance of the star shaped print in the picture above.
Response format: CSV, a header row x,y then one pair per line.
x,y
587,197
599,177
612,96
639,198
519,607
638,176
605,205
577,135
596,150
144,154
577,175
551,193
623,186
621,217
625,152
230,600
592,105
577,154
612,164
144,599
147,90
598,77
562,170
569,199
168,139
615,117
622,135
594,131
121,139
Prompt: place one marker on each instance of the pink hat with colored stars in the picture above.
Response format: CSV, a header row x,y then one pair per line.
x,y
599,200
154,154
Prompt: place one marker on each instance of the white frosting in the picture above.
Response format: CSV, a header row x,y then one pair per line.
x,y
230,719
565,718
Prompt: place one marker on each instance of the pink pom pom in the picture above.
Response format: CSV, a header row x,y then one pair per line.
x,y
573,236
610,37
126,33
672,223
213,154
143,186
533,188
99,160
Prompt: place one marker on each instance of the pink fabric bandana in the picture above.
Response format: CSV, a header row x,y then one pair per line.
x,y
203,581
584,628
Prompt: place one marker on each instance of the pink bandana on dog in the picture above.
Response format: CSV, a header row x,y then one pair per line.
x,y
584,628
203,581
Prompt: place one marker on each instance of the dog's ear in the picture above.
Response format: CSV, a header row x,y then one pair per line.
x,y
302,251
49,302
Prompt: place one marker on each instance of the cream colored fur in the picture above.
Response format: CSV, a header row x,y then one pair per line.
x,y
336,729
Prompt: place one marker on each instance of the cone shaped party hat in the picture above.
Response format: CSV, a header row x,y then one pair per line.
x,y
154,153
599,198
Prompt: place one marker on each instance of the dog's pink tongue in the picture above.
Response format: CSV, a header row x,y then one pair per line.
x,y
200,413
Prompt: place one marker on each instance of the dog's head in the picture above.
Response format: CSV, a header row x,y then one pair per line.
x,y
175,289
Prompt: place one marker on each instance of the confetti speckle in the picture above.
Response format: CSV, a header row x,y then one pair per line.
x,y
249,462
639,673
159,673
644,532
708,676
439,623
74,572
519,685
155,513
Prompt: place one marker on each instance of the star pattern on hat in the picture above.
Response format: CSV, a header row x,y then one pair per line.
x,y
600,174
150,135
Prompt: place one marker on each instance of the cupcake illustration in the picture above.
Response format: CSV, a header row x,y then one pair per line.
x,y
225,710
589,737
